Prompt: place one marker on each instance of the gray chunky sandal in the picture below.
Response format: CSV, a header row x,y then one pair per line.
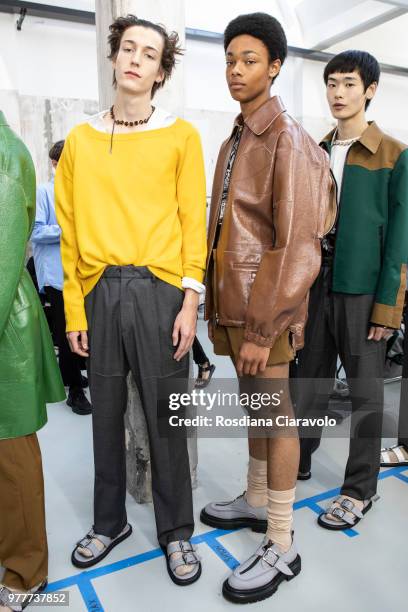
x,y
82,561
347,515
188,557
234,514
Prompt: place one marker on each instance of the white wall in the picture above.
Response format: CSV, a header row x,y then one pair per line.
x,y
48,58
388,42
206,87
56,61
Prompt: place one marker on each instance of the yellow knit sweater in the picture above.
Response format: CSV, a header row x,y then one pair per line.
x,y
142,205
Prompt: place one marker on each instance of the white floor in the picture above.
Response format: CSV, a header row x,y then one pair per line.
x,y
364,571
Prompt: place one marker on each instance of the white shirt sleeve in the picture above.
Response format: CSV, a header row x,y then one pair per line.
x,y
192,283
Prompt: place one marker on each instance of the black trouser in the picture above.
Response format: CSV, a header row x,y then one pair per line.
x,y
403,408
199,355
338,324
130,319
69,363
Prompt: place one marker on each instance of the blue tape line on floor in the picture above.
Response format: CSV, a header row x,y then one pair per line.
x,y
222,553
106,569
83,579
89,595
214,533
333,492
402,477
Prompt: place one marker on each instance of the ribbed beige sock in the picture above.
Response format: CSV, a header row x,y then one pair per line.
x,y
256,494
280,517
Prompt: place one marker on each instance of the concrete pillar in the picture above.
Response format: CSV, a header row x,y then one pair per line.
x,y
171,15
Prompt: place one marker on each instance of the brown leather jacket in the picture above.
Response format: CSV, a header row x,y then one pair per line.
x,y
268,253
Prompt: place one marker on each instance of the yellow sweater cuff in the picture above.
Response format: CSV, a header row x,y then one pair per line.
x,y
76,320
196,273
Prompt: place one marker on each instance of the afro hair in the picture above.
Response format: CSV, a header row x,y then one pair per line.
x,y
262,26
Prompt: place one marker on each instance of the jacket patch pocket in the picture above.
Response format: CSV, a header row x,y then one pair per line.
x,y
237,283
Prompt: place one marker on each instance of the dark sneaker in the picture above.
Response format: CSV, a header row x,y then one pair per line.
x,y
84,381
78,401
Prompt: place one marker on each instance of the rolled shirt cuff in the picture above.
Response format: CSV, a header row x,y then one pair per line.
x,y
191,283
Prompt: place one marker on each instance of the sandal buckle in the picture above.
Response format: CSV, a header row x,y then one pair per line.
x,y
84,542
347,504
338,512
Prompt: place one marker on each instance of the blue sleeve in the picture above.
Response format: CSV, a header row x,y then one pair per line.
x,y
43,233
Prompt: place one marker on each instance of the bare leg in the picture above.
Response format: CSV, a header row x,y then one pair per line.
x,y
282,452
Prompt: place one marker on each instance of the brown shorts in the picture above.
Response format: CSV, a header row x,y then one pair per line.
x,y
228,341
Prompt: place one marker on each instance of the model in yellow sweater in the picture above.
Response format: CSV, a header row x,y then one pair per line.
x,y
143,204
130,199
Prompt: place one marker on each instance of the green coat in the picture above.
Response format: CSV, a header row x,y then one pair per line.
x,y
371,248
29,373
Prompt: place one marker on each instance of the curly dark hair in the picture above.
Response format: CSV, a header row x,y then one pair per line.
x,y
262,26
171,47
352,60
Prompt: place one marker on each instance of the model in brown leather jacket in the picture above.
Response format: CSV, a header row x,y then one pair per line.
x,y
269,206
268,252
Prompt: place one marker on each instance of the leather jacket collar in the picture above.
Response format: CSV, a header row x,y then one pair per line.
x,y
259,121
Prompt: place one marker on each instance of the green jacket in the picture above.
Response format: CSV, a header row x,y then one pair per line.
x,y
29,373
372,231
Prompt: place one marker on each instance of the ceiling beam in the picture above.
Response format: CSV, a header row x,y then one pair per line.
x,y
325,24
312,13
400,3
47,11
314,55
359,28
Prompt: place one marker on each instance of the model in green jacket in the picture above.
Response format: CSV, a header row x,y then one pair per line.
x,y
29,377
358,297
372,229
29,373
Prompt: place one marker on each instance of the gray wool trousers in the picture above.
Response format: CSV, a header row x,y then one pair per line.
x,y
130,315
338,324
